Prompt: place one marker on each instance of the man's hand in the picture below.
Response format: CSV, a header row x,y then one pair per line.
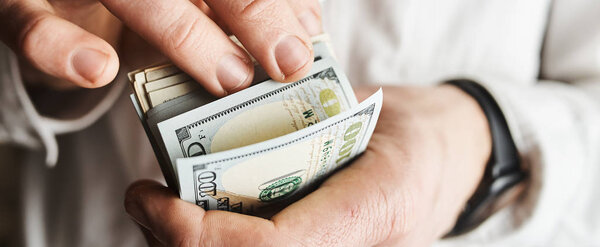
x,y
73,39
424,161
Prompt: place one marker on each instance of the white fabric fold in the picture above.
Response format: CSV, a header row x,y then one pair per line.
x,y
34,129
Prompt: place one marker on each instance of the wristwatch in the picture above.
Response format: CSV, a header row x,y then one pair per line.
x,y
504,179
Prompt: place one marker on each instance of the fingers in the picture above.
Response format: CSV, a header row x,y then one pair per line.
x,y
174,222
269,31
309,15
56,46
190,39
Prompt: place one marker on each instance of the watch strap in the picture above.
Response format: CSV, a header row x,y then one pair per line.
x,y
503,171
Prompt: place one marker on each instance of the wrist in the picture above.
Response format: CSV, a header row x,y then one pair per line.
x,y
445,132
503,177
468,148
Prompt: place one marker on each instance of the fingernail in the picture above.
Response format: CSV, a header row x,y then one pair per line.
x,y
89,63
232,73
291,55
311,23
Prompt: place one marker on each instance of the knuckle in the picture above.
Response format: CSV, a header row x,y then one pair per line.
x,y
315,7
405,218
393,214
353,216
252,9
31,35
301,7
259,238
178,233
184,36
352,213
285,236
386,215
186,240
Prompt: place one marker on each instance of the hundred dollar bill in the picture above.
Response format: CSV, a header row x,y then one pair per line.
x,y
259,177
259,113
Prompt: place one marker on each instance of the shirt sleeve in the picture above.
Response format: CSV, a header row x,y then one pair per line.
x,y
556,126
22,125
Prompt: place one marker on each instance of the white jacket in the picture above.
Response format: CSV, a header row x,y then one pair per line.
x,y
539,58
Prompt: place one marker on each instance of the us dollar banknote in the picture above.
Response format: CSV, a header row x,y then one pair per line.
x,y
260,113
256,178
261,148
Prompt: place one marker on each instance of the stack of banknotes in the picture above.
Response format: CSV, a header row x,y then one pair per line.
x,y
255,151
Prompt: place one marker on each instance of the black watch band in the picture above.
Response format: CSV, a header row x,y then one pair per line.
x,y
503,176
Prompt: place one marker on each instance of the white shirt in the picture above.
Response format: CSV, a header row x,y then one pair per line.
x,y
539,58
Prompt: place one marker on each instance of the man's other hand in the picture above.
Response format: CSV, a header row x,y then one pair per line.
x,y
423,163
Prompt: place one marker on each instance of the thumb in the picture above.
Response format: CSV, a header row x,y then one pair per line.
x,y
56,46
174,222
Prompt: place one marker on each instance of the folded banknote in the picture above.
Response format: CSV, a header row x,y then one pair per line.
x,y
260,148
